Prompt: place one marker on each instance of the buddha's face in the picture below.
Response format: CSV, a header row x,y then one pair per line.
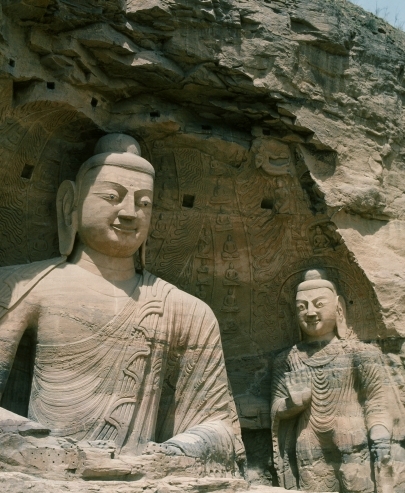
x,y
114,210
316,310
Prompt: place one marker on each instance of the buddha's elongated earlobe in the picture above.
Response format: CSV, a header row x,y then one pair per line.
x,y
67,216
341,323
142,255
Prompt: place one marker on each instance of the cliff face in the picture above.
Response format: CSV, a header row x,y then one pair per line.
x,y
276,129
326,78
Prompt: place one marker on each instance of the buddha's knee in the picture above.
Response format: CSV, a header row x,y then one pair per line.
x,y
356,478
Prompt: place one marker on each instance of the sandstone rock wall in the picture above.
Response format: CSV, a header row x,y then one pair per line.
x,y
276,130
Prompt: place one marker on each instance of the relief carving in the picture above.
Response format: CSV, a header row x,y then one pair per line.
x,y
231,276
223,222
230,304
230,250
219,195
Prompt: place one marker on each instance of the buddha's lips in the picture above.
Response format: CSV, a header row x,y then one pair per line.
x,y
123,229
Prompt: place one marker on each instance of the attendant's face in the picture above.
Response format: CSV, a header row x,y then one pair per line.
x,y
316,310
114,209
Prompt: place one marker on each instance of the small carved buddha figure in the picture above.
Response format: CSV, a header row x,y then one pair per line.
x,y
165,197
219,195
229,303
223,222
204,245
231,276
201,292
331,413
320,240
202,272
230,250
160,228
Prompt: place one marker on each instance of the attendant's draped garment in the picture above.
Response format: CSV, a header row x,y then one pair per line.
x,y
155,372
351,393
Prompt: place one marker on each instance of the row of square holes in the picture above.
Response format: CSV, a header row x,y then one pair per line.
x,y
94,101
188,200
52,85
153,114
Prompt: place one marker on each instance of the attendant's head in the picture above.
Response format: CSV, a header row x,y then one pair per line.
x,y
320,310
109,207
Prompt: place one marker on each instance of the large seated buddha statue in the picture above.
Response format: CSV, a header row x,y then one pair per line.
x,y
124,361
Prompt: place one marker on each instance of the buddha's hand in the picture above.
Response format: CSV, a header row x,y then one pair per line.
x,y
299,387
380,444
162,448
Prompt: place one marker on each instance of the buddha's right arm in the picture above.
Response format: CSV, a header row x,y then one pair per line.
x,y
12,326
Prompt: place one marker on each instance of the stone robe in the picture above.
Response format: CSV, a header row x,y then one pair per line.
x,y
155,372
326,445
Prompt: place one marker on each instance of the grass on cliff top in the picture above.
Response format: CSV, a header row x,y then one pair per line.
x,y
393,16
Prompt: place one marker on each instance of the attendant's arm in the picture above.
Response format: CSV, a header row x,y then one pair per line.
x,y
12,326
374,398
291,391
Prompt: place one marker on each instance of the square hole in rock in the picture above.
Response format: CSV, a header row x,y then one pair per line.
x,y
267,204
188,201
27,171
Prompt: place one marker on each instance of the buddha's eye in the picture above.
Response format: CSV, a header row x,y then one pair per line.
x,y
319,304
145,202
111,196
301,307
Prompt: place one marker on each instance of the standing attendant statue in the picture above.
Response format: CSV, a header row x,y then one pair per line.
x,y
332,412
123,358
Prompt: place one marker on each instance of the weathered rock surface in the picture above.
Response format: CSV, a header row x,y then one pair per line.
x,y
276,129
20,483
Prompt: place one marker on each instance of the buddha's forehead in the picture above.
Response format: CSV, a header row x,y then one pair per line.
x,y
128,178
312,294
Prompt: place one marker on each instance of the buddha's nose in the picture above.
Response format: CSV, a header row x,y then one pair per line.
x,y
128,210
311,313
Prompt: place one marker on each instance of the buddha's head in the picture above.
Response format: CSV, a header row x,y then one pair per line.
x,y
320,310
109,206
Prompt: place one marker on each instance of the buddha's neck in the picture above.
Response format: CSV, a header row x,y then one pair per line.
x,y
331,336
111,268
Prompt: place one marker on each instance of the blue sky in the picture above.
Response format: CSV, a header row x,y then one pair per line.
x,y
389,9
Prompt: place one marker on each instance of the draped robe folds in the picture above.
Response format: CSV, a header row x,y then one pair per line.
x,y
155,372
351,392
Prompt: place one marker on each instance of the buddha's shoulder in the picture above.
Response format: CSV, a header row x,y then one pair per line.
x,y
361,349
17,280
284,355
